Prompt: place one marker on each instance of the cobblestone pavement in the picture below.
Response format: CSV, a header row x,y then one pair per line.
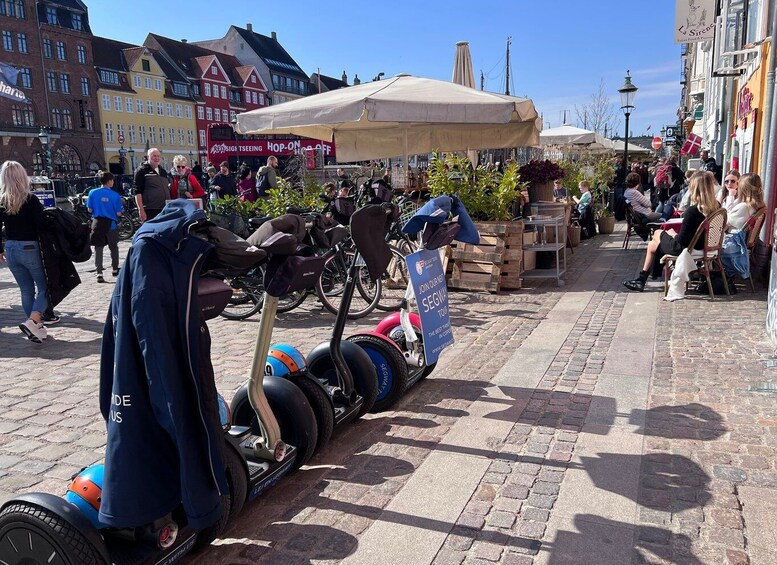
x,y
593,443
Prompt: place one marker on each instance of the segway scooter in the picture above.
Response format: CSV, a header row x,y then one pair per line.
x,y
43,528
403,328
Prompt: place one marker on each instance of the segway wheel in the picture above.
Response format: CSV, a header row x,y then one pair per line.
x,y
30,534
390,366
205,537
322,406
365,377
238,480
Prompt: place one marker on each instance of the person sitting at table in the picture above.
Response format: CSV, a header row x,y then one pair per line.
x,y
585,210
639,202
744,199
731,181
703,203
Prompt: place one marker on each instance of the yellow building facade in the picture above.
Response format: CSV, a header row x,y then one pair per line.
x,y
144,107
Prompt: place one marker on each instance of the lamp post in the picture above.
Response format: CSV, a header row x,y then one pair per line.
x,y
122,155
46,141
663,140
131,153
237,143
627,92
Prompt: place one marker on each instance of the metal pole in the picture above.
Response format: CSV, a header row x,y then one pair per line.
x,y
626,146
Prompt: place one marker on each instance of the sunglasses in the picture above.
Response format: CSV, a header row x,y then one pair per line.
x,y
184,166
730,181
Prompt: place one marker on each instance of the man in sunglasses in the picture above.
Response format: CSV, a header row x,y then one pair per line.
x,y
150,186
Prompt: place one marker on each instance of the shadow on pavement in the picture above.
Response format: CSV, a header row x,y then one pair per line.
x,y
688,421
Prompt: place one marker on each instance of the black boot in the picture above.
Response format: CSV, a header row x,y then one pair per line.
x,y
638,283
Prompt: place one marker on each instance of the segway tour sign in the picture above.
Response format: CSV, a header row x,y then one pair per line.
x,y
431,293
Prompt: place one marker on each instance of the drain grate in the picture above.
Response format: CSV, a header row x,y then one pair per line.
x,y
764,387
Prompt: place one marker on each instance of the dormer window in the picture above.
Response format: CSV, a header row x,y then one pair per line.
x,y
77,22
146,65
51,15
213,70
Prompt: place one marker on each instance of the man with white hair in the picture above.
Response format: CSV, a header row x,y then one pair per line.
x,y
151,187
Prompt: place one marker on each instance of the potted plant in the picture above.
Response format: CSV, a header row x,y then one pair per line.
x,y
540,176
605,219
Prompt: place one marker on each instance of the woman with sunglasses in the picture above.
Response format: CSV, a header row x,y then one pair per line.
x,y
731,182
183,184
743,200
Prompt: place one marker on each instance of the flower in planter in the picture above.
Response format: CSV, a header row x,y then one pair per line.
x,y
538,172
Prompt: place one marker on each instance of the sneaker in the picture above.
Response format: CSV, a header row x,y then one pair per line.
x,y
115,272
51,319
100,278
34,332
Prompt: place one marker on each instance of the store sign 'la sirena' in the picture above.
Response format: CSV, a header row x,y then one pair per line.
x,y
694,21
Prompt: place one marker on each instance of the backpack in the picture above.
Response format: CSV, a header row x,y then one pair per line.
x,y
663,176
73,235
382,191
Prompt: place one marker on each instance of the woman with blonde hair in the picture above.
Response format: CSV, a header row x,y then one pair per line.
x,y
22,215
702,204
183,184
743,201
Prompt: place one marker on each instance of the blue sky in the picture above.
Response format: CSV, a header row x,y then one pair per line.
x,y
561,49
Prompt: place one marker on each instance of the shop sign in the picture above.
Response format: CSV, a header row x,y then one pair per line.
x,y
745,111
694,21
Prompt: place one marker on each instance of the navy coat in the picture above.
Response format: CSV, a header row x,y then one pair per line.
x,y
162,449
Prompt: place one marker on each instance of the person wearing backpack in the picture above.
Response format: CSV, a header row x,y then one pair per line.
x,y
267,177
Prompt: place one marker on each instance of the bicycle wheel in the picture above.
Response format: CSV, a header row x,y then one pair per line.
x,y
126,228
395,280
247,296
289,302
331,284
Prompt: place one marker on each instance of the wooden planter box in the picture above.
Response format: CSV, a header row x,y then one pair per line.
x,y
494,265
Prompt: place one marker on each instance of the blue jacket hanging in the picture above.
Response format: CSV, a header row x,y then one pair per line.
x,y
734,255
161,450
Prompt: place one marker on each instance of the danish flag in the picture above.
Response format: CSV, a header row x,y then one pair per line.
x,y
692,145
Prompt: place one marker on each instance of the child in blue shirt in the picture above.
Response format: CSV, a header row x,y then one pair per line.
x,y
105,205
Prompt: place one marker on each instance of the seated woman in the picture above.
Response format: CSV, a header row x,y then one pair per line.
x,y
730,182
639,202
703,203
585,210
744,199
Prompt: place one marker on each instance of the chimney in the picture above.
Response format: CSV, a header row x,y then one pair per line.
x,y
183,41
345,78
356,80
249,27
274,36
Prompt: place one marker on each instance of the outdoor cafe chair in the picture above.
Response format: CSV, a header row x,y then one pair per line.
x,y
635,225
707,259
753,228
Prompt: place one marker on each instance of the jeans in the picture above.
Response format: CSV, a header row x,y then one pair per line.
x,y
113,245
25,263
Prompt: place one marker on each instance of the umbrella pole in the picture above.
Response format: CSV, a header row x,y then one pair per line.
x,y
405,162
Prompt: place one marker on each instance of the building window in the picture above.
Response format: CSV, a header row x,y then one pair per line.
x,y
253,78
215,91
202,138
64,82
128,105
276,81
169,110
157,84
180,89
26,77
178,111
77,21
21,41
139,105
85,90
160,109
147,82
162,137
181,137
256,100
133,137
47,48
188,112
207,89
142,130
23,116
51,15
109,133
137,81
61,52
119,130
89,120
56,118
106,102
152,134
224,92
51,80
200,113
149,107
261,99
146,65
7,41
67,119
190,137
171,131
196,89
232,115
217,115
81,51
109,77
118,103
209,114
213,70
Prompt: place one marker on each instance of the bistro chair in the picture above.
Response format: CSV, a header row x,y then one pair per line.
x,y
753,228
635,225
712,229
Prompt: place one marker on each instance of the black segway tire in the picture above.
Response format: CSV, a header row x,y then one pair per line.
x,y
206,536
365,377
237,477
390,366
33,534
322,406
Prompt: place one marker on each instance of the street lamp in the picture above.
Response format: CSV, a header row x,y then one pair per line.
x,y
662,152
45,141
627,92
237,143
131,153
377,77
122,155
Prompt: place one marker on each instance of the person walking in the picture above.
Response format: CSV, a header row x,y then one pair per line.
x,y
223,184
267,177
21,213
105,205
151,186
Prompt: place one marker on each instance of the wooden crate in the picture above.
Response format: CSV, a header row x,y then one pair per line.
x,y
479,267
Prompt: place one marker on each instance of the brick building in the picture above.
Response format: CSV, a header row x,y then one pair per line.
x,y
50,43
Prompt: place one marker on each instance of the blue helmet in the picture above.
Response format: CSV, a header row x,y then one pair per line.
x,y
85,492
225,414
283,359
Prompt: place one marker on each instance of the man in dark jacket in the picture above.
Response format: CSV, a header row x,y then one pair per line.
x,y
161,450
224,183
151,186
709,164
